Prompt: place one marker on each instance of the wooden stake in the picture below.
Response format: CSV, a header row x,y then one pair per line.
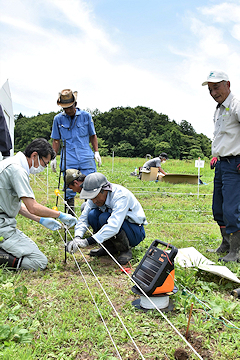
x,y
189,318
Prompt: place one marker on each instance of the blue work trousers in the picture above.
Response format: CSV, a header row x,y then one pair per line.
x,y
226,194
135,233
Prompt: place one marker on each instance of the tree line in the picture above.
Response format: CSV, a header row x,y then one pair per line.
x,y
129,132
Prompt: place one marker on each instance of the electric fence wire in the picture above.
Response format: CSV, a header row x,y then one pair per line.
x,y
147,191
132,280
169,193
99,312
149,299
204,305
110,302
161,313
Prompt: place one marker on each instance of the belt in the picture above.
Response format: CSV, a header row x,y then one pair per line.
x,y
226,158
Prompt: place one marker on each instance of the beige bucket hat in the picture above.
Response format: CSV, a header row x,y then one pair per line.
x,y
66,98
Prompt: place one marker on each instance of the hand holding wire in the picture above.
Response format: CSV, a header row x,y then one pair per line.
x,y
72,246
50,223
68,219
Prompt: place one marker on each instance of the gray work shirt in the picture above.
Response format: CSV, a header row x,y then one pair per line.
x,y
227,128
156,162
14,184
122,204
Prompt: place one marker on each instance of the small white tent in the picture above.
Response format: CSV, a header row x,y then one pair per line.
x,y
6,103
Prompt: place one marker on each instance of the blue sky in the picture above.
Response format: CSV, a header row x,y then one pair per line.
x,y
119,53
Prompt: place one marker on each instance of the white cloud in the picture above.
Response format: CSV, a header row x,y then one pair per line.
x,y
79,14
56,44
223,13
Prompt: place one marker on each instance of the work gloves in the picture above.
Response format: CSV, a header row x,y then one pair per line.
x,y
50,223
72,246
68,219
53,164
98,158
213,162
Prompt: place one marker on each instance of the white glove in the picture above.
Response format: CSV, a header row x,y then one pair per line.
x,y
98,158
53,164
68,219
50,223
72,246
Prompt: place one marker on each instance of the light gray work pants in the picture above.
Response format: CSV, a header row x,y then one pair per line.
x,y
19,245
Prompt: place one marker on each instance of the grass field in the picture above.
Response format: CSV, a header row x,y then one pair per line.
x,y
51,315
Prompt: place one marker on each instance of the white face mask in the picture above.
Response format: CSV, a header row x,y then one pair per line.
x,y
163,161
37,170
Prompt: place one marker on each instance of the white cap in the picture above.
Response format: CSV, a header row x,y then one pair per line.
x,y
216,76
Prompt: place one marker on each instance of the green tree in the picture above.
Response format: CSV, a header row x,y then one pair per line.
x,y
123,149
163,146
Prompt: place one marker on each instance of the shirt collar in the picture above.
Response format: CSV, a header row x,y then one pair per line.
x,y
228,100
22,160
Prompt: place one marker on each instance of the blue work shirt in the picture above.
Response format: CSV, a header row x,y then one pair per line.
x,y
76,132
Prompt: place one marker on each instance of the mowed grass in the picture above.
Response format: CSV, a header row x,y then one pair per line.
x,y
52,315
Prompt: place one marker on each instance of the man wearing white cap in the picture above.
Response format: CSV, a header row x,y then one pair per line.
x,y
116,216
76,128
226,160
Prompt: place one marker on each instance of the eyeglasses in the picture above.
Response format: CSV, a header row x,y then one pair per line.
x,y
45,165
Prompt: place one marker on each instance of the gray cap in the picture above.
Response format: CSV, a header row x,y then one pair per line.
x,y
72,174
92,185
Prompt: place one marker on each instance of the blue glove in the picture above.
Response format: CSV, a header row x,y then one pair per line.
x,y
68,219
50,223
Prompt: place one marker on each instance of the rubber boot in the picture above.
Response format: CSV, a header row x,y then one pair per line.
x,y
71,207
9,260
234,252
102,252
121,243
225,246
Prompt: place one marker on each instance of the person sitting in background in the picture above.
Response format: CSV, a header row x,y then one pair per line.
x,y
116,216
156,162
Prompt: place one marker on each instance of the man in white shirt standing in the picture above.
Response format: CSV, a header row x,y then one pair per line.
x,y
226,160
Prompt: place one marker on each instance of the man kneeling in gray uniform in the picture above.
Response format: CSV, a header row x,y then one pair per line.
x,y
16,197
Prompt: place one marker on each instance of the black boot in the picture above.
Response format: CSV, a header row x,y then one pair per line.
x,y
102,252
234,252
9,260
70,207
225,246
121,243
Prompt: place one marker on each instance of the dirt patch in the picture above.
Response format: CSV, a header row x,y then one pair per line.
x,y
196,340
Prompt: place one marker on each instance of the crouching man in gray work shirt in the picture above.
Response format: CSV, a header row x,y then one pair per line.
x,y
116,216
16,197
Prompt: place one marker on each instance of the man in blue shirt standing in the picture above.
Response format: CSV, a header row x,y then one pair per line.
x,y
76,128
